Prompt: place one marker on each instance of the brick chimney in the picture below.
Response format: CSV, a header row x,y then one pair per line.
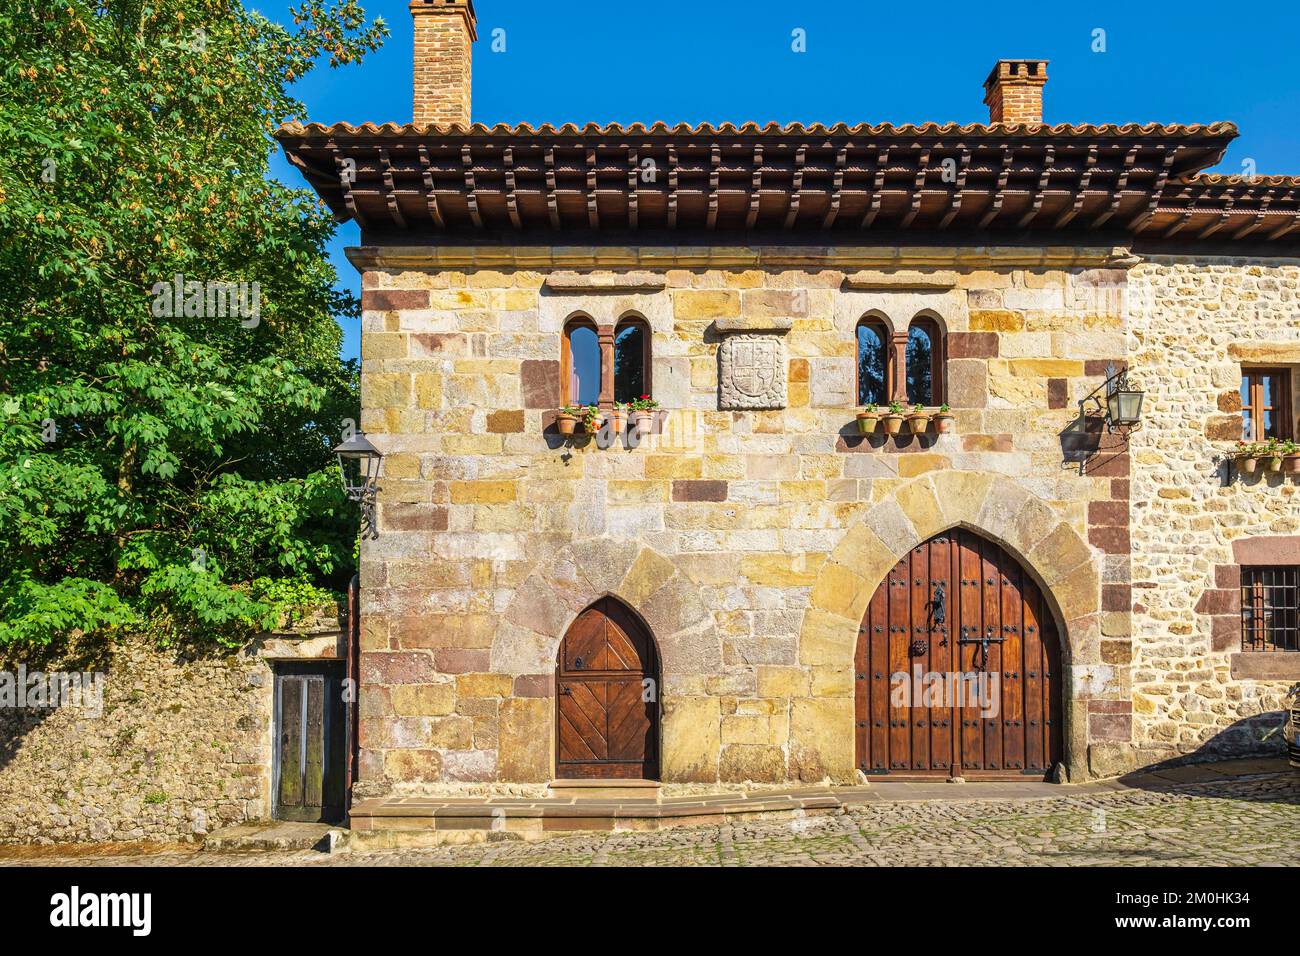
x,y
444,32
1014,91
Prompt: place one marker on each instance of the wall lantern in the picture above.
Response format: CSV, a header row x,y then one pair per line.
x,y
359,468
1123,404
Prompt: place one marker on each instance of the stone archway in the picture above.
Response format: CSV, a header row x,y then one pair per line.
x,y
544,607
997,507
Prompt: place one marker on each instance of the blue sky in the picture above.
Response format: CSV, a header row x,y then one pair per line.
x,y
584,60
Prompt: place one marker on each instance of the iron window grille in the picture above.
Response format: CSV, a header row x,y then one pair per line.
x,y
1270,608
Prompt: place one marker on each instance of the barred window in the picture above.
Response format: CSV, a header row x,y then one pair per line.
x,y
1270,608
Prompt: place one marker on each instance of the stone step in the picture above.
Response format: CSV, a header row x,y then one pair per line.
x,y
267,835
619,790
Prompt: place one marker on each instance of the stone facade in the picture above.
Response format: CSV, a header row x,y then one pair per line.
x,y
182,744
1195,323
750,541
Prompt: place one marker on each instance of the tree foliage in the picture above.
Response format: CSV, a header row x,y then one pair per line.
x,y
158,461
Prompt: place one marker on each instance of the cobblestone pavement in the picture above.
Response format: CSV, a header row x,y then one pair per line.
x,y
1242,823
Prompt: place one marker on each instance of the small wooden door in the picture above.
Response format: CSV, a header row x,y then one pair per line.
x,y
607,697
958,667
310,742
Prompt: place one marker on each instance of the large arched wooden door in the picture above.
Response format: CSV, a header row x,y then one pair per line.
x,y
958,667
607,697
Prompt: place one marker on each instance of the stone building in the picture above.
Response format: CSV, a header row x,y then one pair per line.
x,y
747,587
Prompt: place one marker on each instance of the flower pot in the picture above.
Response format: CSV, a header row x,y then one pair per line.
x,y
893,424
1247,466
1291,464
643,421
868,422
618,422
590,427
942,423
1274,462
564,424
918,423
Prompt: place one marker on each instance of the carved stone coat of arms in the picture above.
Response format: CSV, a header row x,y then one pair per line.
x,y
753,372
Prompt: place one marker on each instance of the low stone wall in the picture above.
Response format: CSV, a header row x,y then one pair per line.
x,y
179,746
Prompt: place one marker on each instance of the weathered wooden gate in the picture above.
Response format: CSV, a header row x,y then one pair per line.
x,y
607,697
958,667
310,742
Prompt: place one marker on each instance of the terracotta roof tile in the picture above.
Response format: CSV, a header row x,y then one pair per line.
x,y
295,130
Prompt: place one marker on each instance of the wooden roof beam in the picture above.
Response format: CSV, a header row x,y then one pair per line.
x,y
471,188
1117,195
999,193
877,185
755,188
958,193
918,185
796,187
552,202
837,188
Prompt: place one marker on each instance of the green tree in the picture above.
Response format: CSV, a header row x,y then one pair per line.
x,y
164,466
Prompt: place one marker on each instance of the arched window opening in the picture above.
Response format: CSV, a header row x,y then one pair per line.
x,y
873,363
581,363
631,360
924,360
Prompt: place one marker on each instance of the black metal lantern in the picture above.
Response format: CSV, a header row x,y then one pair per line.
x,y
1123,404
359,469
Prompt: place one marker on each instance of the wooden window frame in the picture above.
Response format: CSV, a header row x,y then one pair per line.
x,y
647,367
566,357
1281,408
1271,628
938,357
886,335
895,344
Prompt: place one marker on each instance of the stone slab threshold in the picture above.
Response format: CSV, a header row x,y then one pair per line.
x,y
271,835
412,821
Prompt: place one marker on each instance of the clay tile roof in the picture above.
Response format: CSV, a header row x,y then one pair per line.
x,y
520,183
659,128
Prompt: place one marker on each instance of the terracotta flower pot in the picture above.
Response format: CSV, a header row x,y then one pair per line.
x,y
565,424
644,421
1274,462
1247,466
918,422
868,422
618,422
942,422
1291,464
893,424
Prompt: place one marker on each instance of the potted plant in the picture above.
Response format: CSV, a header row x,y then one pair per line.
x,y
643,412
1247,457
918,420
1272,455
567,419
868,419
591,419
893,421
619,415
1290,457
942,419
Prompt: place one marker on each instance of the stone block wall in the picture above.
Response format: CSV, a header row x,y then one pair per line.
x,y
181,746
1194,323
749,540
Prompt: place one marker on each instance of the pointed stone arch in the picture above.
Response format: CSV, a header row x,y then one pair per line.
x,y
995,506
547,603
